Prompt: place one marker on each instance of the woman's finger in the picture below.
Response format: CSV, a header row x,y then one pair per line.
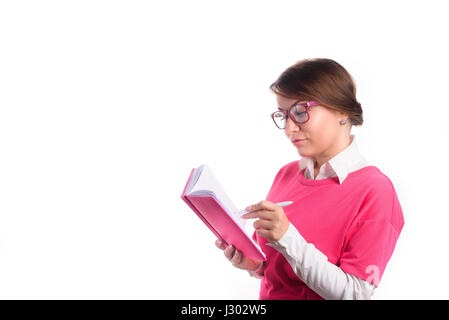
x,y
263,214
237,258
264,233
220,244
263,224
229,252
264,204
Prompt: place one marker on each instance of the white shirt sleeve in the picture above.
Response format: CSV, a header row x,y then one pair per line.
x,y
313,268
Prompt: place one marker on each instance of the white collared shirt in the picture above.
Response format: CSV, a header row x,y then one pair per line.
x,y
339,166
310,264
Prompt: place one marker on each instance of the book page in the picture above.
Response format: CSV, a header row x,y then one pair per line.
x,y
207,184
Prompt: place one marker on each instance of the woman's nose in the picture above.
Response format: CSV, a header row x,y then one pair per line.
x,y
290,125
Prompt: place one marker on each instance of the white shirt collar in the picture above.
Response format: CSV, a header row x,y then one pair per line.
x,y
343,163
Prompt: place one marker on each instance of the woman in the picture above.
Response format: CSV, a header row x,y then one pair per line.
x,y
337,237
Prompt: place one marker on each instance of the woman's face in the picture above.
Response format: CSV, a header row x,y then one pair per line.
x,y
323,134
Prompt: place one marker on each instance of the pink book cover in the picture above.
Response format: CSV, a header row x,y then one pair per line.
x,y
222,224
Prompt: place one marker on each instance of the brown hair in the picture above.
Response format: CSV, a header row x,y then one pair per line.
x,y
323,80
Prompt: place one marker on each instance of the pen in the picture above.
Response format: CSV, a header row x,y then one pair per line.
x,y
282,204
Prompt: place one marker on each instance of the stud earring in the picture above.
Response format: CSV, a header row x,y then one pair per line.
x,y
343,122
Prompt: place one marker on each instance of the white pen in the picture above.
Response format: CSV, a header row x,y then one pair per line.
x,y
282,204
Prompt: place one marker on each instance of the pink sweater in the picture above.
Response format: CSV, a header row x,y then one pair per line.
x,y
355,224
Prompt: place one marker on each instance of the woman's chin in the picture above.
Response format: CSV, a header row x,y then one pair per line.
x,y
303,153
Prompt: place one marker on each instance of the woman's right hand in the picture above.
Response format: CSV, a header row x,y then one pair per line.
x,y
236,257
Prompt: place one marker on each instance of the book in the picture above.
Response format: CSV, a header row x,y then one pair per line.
x,y
206,197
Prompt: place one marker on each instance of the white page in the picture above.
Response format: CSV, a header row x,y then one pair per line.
x,y
207,182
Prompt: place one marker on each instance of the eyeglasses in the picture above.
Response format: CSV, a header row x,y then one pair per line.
x,y
298,112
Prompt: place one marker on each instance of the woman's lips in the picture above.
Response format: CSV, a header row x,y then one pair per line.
x,y
298,141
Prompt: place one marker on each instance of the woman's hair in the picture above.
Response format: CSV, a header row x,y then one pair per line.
x,y
322,80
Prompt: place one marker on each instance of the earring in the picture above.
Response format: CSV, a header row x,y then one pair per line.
x,y
343,122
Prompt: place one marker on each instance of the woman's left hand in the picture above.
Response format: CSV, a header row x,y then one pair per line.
x,y
272,223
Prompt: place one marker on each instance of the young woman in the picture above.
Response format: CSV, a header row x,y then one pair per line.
x,y
337,237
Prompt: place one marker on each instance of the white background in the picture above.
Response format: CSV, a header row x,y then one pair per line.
x,y
106,106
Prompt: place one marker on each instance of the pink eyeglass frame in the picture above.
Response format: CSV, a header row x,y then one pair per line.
x,y
306,105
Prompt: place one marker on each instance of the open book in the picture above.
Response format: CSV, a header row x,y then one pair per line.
x,y
205,196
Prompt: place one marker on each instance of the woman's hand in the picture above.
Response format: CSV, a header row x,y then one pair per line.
x,y
236,257
272,223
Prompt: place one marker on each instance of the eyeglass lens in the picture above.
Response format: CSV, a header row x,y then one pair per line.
x,y
298,112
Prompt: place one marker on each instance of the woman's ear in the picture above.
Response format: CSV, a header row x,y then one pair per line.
x,y
342,116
